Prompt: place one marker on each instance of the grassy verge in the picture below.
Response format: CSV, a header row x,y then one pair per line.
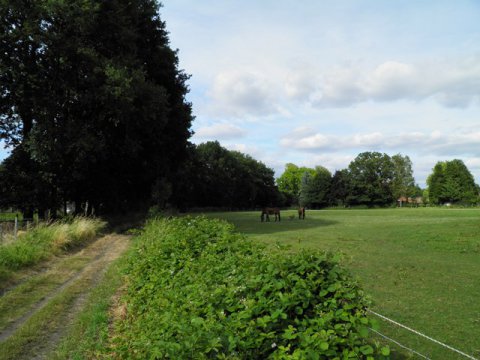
x,y
42,242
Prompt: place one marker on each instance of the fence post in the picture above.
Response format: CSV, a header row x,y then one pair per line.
x,y
16,227
1,234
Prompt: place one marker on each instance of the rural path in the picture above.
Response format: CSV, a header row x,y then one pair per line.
x,y
36,314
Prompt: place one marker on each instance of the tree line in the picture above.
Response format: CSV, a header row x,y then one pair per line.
x,y
377,179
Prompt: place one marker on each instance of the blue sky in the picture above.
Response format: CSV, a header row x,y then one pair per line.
x,y
318,82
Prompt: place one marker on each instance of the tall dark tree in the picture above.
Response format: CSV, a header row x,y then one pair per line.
x,y
100,113
340,187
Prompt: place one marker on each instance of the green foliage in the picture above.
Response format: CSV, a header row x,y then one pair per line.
x,y
217,177
371,175
197,289
290,182
92,103
340,187
403,183
315,188
372,179
452,182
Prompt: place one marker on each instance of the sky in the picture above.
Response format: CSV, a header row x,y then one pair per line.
x,y
317,82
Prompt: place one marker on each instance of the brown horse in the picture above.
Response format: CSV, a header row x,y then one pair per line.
x,y
301,213
270,211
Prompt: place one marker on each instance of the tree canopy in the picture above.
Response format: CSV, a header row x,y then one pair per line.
x,y
92,103
315,189
371,176
452,182
290,182
371,179
217,177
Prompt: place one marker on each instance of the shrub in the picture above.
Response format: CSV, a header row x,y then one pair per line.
x,y
197,289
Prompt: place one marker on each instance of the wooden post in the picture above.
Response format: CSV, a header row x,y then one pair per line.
x,y
16,227
1,234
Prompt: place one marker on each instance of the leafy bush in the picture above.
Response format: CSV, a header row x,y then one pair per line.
x,y
197,289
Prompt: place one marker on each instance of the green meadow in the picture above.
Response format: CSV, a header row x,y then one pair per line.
x,y
420,266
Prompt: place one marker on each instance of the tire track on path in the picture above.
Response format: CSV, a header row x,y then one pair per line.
x,y
103,251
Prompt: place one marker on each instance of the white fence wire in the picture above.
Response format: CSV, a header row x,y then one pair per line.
x,y
419,334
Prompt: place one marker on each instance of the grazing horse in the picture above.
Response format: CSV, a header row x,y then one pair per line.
x,y
301,213
270,211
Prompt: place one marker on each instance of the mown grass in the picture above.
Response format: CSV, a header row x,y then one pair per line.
x,y
43,241
420,266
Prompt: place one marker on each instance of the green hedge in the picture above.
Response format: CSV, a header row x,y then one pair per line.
x,y
196,289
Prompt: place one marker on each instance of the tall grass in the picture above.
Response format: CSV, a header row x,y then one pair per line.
x,y
44,241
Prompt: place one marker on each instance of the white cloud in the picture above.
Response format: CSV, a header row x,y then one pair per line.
x,y
220,132
242,93
301,81
434,143
473,164
332,162
452,83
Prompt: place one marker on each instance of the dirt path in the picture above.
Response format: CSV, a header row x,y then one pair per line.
x,y
74,278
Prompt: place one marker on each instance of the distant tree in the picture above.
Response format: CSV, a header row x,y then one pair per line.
x,y
315,188
371,175
435,183
340,188
217,177
290,181
403,182
451,181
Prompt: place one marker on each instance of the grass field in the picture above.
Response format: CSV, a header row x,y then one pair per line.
x,y
420,266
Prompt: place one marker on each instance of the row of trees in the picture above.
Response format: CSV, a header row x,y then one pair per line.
x,y
92,105
216,177
376,179
372,179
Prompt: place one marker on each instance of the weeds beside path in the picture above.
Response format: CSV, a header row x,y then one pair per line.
x,y
35,315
